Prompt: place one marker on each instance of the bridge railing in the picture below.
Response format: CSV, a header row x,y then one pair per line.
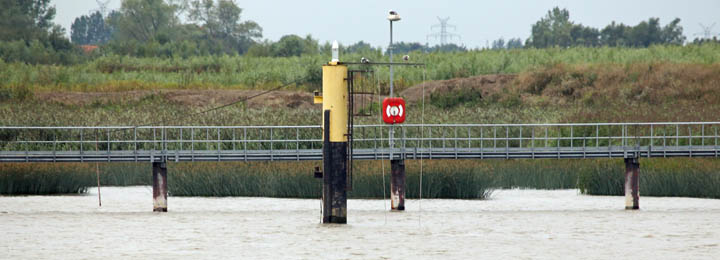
x,y
548,135
199,138
630,137
407,138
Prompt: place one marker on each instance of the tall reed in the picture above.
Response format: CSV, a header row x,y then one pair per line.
x,y
44,179
685,177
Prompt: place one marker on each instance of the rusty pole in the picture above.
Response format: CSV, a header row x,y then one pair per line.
x,y
334,178
160,191
632,186
397,185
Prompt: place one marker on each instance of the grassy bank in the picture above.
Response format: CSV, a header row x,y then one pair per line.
x,y
118,73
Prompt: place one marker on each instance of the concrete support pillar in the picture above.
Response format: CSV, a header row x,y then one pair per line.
x,y
632,187
397,185
160,191
334,178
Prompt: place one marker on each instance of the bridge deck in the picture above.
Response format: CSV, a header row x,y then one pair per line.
x,y
295,143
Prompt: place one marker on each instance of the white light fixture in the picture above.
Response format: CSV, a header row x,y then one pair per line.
x,y
393,16
335,52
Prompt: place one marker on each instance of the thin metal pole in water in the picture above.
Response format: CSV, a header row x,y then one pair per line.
x,y
716,142
390,48
97,171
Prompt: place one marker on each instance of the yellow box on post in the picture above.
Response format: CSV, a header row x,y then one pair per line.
x,y
334,98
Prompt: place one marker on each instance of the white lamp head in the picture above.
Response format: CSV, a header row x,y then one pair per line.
x,y
393,16
335,52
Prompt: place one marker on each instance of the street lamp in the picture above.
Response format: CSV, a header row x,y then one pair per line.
x,y
392,17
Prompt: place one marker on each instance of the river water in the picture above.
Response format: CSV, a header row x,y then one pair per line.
x,y
522,224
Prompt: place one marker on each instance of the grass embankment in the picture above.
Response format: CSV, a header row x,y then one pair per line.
x,y
661,83
118,73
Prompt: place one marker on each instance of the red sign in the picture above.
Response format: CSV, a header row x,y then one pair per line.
x,y
394,110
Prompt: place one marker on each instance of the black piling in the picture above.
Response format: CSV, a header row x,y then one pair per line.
x,y
334,194
632,183
397,184
160,191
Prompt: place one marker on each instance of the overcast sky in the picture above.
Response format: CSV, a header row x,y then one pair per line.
x,y
477,22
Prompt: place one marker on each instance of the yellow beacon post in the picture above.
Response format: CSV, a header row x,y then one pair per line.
x,y
334,101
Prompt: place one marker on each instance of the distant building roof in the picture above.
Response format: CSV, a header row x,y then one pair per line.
x,y
88,48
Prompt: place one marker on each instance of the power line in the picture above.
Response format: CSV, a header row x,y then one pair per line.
x,y
707,31
103,7
444,34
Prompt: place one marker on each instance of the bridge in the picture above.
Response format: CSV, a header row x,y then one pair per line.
x,y
370,142
160,144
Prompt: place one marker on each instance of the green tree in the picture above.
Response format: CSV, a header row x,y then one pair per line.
x,y
514,43
614,35
289,45
145,20
406,47
30,20
644,34
584,36
672,33
360,47
26,20
222,24
27,28
498,44
92,29
552,30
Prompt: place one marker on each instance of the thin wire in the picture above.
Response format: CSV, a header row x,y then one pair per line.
x,y
382,160
422,137
189,115
162,122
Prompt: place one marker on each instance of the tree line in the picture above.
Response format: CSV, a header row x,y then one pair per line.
x,y
186,28
556,30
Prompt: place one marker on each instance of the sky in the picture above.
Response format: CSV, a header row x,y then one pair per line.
x,y
477,22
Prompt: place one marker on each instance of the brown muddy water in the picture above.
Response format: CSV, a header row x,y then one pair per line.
x,y
526,224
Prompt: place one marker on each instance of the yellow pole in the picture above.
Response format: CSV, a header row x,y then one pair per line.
x,y
335,142
335,99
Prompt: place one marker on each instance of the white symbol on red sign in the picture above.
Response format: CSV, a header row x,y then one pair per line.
x,y
394,109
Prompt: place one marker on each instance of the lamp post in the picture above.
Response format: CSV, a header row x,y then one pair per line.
x,y
397,179
392,17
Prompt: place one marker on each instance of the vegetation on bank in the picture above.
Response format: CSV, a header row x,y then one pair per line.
x,y
558,82
686,177
463,179
123,73
675,88
44,179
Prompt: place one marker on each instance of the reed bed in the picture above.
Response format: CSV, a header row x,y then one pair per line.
x,y
456,179
675,177
295,180
45,179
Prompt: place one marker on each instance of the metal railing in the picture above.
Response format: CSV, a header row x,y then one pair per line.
x,y
412,141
